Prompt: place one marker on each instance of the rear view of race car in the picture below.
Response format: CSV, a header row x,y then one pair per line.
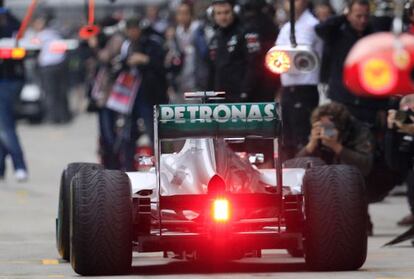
x,y
206,198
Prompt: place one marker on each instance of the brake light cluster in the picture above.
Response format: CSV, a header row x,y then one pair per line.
x,y
220,206
221,210
12,53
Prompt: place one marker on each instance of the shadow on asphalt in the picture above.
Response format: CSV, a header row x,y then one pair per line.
x,y
176,268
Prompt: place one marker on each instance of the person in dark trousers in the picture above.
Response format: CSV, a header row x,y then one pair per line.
x,y
185,35
339,34
144,54
323,11
11,83
53,71
299,96
234,54
105,51
257,20
399,148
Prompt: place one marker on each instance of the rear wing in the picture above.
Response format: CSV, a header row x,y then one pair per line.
x,y
218,120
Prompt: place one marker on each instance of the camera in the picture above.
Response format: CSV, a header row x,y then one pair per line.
x,y
407,141
403,116
329,130
407,144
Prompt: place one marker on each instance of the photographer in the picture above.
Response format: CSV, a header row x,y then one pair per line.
x,y
338,138
399,147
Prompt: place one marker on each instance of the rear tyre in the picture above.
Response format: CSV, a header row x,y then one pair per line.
x,y
101,223
335,218
294,223
62,222
304,162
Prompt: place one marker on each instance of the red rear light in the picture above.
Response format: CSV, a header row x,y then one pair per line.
x,y
221,210
12,53
278,61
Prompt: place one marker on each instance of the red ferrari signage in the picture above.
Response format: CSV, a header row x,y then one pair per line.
x,y
381,65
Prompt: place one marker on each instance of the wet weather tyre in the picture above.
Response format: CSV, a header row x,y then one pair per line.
x,y
335,218
101,223
304,162
63,220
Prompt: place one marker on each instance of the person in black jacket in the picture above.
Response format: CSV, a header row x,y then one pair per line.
x,y
338,138
339,34
233,54
399,148
144,53
258,20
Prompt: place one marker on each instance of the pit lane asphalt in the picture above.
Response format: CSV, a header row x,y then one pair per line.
x,y
27,223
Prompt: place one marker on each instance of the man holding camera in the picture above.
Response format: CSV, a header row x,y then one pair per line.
x,y
399,147
299,94
339,34
338,138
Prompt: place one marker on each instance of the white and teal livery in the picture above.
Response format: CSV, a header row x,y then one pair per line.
x,y
236,119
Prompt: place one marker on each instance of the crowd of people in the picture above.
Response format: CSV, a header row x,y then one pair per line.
x,y
155,60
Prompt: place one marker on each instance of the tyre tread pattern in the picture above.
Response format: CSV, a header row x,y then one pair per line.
x,y
101,231
336,218
63,230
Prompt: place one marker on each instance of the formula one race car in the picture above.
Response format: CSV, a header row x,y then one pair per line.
x,y
207,202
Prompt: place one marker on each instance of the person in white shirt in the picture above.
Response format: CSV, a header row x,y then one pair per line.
x,y
299,96
185,36
53,71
